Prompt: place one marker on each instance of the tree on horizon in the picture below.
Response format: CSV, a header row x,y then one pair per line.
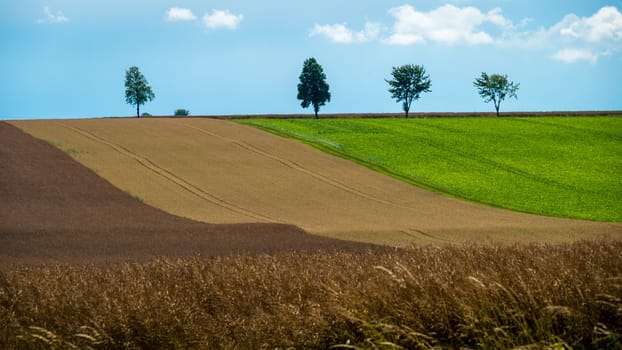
x,y
313,89
137,90
495,88
408,82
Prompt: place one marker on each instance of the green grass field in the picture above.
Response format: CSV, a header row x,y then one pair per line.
x,y
568,167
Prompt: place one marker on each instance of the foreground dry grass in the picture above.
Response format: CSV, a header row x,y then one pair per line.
x,y
474,296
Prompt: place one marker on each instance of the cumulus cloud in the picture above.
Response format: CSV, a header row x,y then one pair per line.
x,y
448,24
583,39
572,39
604,25
218,19
52,18
337,33
340,33
175,14
495,16
370,32
575,55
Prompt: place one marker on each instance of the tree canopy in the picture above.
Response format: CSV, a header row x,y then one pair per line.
x,y
181,112
137,90
408,82
495,88
313,89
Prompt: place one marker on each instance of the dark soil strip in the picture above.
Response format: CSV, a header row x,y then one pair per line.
x,y
54,210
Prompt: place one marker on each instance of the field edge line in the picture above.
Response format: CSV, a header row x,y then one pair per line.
x,y
383,170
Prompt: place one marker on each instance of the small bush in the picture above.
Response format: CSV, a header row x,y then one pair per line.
x,y
146,115
181,112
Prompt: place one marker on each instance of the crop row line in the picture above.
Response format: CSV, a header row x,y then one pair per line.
x,y
490,162
171,177
296,166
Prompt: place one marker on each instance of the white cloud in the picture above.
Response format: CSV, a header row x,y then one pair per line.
x,y
405,39
370,32
448,24
575,55
604,25
579,39
525,22
52,18
341,34
179,14
222,19
600,32
572,39
337,33
495,16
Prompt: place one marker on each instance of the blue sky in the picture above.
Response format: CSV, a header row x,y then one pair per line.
x,y
67,58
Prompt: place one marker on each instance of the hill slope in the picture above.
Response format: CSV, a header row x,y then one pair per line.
x,y
221,172
53,209
565,167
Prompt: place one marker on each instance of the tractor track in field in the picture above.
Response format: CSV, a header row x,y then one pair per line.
x,y
53,210
497,165
415,233
296,166
171,177
574,129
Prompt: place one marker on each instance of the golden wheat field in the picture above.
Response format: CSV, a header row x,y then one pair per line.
x,y
564,296
218,171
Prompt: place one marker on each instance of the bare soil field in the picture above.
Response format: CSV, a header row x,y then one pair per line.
x,y
220,172
53,209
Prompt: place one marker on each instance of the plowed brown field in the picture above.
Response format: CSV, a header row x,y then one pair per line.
x,y
52,209
220,172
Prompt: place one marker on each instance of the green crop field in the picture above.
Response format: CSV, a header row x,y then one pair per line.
x,y
568,167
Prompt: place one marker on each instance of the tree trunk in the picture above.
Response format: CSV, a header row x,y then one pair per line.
x,y
316,109
138,110
497,104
